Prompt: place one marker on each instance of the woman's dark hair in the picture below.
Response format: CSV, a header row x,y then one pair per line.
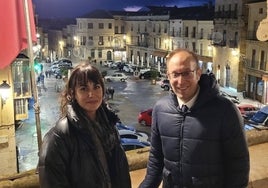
x,y
80,75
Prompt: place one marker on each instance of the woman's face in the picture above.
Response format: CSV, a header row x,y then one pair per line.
x,y
89,97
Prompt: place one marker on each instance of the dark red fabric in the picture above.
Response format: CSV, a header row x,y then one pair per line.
x,y
13,32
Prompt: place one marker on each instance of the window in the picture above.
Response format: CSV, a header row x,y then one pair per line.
x,y
92,53
22,87
21,109
194,32
100,53
186,32
201,49
116,30
110,26
165,29
122,29
101,25
110,38
90,25
194,47
262,61
201,33
21,78
100,40
83,40
90,41
253,61
236,38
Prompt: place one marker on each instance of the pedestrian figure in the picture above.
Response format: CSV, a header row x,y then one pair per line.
x,y
46,72
111,92
42,81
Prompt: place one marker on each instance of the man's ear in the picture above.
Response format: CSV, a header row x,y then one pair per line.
x,y
198,73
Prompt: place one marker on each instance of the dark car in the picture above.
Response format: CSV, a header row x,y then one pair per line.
x,y
150,74
65,62
165,84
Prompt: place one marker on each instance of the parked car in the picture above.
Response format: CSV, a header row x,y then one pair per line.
x,y
143,70
131,144
116,77
150,74
247,108
65,62
115,65
165,84
145,117
124,133
259,120
121,126
233,98
128,68
109,63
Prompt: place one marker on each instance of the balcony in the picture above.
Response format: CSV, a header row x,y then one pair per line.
x,y
226,15
219,44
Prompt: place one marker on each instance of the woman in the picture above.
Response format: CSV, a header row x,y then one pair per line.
x,y
83,149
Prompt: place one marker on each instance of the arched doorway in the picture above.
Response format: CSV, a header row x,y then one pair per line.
x,y
109,55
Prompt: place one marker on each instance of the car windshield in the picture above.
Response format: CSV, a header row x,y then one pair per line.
x,y
259,117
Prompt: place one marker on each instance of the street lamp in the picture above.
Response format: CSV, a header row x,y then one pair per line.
x,y
4,92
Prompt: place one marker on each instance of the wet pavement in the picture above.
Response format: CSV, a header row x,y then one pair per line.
x,y
26,134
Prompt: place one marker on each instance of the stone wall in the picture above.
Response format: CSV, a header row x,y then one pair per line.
x,y
138,160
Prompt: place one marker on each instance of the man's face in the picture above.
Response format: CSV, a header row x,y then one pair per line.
x,y
183,74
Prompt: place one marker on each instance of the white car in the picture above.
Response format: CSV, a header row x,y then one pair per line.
x,y
128,69
124,133
116,77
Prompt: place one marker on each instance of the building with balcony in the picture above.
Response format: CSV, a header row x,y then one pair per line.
x,y
100,36
240,58
255,63
229,43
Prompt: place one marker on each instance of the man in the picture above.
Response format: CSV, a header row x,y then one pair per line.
x,y
197,136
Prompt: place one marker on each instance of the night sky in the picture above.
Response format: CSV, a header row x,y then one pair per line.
x,y
75,8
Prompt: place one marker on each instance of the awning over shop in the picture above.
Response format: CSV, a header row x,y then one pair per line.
x,y
204,58
159,53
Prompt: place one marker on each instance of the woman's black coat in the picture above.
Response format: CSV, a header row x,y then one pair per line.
x,y
68,158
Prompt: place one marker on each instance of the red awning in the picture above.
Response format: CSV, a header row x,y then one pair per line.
x,y
13,38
